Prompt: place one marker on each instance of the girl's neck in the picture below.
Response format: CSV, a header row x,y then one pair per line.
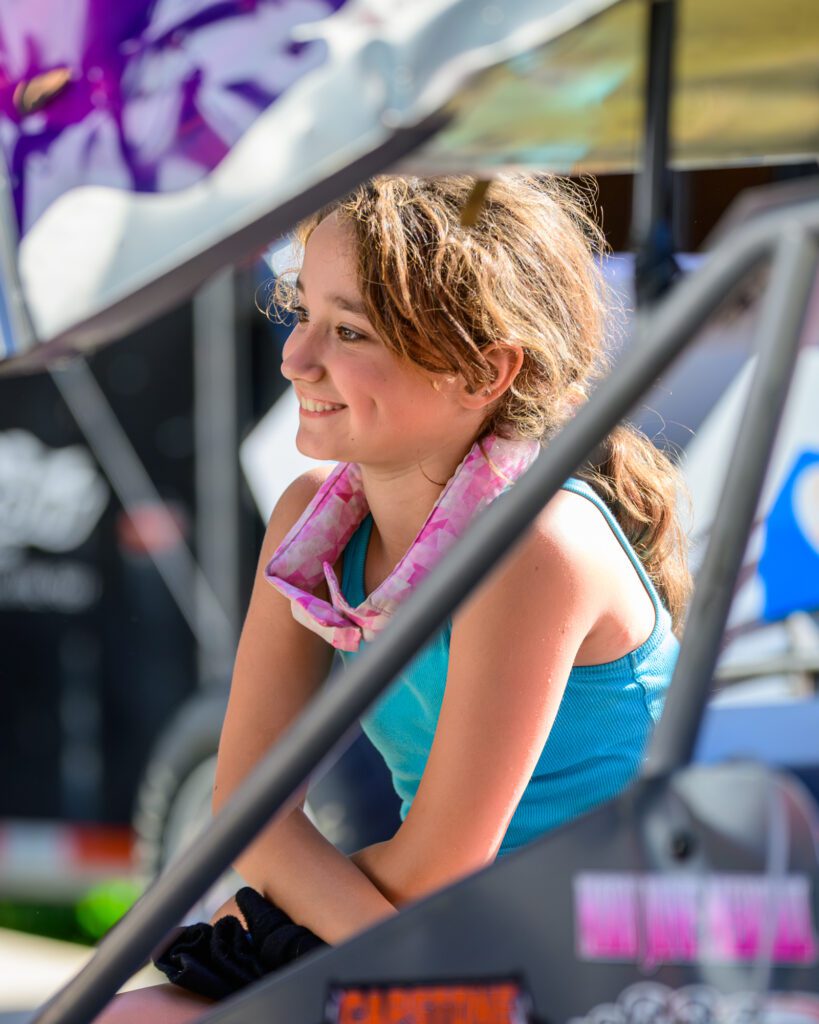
x,y
401,497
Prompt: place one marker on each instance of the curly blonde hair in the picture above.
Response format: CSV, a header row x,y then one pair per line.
x,y
440,293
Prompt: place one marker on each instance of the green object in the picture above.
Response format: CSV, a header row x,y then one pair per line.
x,y
101,907
85,921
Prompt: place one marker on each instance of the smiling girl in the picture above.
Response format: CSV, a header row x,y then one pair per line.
x,y
431,360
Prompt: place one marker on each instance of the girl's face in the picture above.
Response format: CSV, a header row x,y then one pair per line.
x,y
360,402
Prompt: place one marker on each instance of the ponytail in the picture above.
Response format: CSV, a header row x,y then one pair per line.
x,y
643,489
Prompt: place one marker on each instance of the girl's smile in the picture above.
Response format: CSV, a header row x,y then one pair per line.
x,y
311,407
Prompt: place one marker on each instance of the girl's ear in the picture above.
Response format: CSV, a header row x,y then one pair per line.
x,y
506,361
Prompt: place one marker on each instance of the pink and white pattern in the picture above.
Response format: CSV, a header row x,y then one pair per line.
x,y
307,554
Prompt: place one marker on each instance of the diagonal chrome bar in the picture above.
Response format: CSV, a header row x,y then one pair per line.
x,y
329,717
777,346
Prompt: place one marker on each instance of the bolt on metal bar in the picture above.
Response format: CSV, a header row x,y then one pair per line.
x,y
327,720
777,346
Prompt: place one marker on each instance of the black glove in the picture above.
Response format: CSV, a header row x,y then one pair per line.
x,y
276,939
212,960
216,960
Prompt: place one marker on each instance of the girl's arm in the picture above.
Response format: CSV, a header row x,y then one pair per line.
x,y
513,646
279,666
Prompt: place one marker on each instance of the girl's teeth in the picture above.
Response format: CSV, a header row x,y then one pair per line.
x,y
312,406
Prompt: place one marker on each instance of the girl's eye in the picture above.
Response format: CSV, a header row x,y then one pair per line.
x,y
300,314
348,334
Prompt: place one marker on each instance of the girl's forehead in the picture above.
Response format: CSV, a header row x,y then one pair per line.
x,y
329,265
331,240
329,271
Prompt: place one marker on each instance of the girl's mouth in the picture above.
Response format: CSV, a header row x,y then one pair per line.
x,y
311,408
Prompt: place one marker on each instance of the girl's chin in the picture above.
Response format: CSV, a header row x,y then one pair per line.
x,y
323,450
313,451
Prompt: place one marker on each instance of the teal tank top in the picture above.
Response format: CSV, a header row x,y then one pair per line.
x,y
597,740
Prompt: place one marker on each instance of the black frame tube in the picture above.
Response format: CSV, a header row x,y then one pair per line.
x,y
650,186
777,347
329,717
651,199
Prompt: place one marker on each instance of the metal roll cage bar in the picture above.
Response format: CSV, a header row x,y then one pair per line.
x,y
791,239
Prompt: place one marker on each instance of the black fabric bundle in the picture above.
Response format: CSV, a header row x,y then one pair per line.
x,y
216,960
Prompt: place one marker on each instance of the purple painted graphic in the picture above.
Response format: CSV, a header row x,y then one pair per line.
x,y
606,922
670,919
139,95
663,919
744,916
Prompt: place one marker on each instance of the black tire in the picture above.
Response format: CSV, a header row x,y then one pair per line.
x,y
186,746
353,805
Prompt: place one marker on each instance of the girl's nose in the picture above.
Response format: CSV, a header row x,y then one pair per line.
x,y
301,359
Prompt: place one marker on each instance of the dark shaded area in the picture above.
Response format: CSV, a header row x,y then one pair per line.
x,y
92,667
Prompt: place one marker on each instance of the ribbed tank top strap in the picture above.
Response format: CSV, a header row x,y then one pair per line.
x,y
587,491
352,570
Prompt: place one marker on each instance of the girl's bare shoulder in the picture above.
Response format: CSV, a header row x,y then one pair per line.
x,y
568,535
292,503
564,568
551,568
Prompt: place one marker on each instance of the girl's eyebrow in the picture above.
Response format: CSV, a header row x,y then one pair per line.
x,y
351,305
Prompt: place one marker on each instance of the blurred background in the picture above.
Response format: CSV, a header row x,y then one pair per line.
x,y
136,478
